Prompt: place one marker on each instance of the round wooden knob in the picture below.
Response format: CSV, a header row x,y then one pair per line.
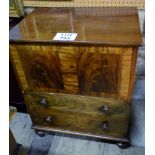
x,y
104,109
49,119
105,126
43,101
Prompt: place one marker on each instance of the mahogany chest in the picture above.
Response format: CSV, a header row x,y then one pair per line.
x,y
83,86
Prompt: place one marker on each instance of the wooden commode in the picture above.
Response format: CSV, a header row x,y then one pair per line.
x,y
83,86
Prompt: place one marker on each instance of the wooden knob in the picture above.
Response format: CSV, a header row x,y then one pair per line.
x,y
105,126
43,101
49,119
104,109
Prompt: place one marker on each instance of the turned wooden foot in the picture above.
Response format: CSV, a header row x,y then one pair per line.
x,y
40,133
122,145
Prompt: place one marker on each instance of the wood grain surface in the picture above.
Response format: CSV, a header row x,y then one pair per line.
x,y
98,69
85,70
41,66
78,113
80,122
112,26
77,103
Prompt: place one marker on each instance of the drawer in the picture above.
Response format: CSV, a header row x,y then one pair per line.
x,y
76,103
99,124
79,114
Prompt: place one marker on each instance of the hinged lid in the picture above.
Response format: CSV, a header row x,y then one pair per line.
x,y
102,26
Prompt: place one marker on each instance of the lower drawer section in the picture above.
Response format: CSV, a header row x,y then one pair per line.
x,y
115,125
79,114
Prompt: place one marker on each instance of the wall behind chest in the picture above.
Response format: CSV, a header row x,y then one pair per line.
x,y
86,3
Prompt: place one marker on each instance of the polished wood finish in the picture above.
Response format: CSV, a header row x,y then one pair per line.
x,y
113,26
82,86
76,103
117,126
38,73
79,113
84,70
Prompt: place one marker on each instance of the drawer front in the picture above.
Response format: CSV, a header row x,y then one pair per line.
x,y
99,124
78,113
76,103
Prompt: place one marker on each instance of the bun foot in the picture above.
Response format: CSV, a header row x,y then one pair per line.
x,y
122,145
40,133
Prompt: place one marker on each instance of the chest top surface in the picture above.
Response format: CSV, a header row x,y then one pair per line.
x,y
103,26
